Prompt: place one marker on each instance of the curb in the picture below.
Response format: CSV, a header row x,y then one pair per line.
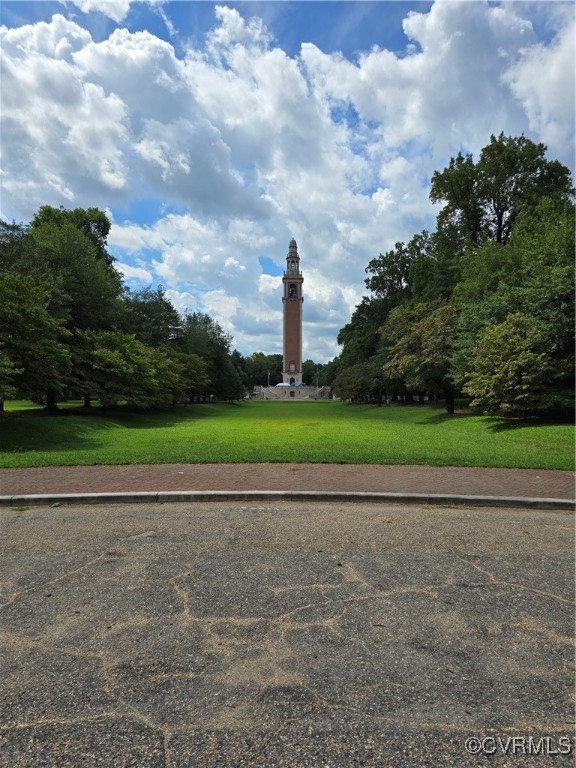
x,y
330,496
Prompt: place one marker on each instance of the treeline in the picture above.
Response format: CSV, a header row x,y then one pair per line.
x,y
261,370
484,305
70,328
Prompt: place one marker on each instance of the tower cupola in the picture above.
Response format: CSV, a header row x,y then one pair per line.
x,y
292,259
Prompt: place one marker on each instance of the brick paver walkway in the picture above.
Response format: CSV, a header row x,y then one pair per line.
x,y
290,477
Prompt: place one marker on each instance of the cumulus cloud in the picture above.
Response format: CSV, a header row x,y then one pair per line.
x,y
98,122
244,146
114,9
543,82
183,301
134,274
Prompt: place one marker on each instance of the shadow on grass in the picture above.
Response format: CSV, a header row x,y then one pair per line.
x,y
78,429
446,418
507,425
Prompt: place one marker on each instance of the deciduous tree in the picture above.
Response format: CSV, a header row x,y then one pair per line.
x,y
511,368
419,341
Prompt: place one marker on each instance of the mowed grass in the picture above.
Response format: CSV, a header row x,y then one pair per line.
x,y
260,431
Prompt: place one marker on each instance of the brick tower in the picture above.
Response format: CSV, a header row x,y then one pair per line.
x,y
292,301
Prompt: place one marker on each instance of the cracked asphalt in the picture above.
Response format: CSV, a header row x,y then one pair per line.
x,y
294,634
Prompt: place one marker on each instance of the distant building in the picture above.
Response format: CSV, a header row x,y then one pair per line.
x,y
292,388
292,301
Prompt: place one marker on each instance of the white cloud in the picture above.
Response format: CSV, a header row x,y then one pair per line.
x,y
114,9
244,146
543,82
136,274
268,284
183,301
233,30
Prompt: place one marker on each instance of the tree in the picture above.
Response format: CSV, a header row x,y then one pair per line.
x,y
65,251
512,173
329,371
117,367
13,239
64,302
262,369
457,187
391,272
229,384
193,374
92,222
482,200
532,274
362,383
84,290
205,337
419,340
8,373
151,317
310,372
33,350
504,243
512,370
359,338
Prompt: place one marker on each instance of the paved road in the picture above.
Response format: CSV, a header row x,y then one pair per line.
x,y
177,635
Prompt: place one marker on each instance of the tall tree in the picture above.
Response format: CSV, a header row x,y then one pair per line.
x,y
359,338
151,317
484,199
311,372
92,222
457,187
514,172
35,357
419,344
13,238
66,250
532,274
204,336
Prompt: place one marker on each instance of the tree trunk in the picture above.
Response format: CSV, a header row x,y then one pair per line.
x,y
51,405
449,399
87,403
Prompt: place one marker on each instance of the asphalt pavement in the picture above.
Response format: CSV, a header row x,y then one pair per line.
x,y
286,634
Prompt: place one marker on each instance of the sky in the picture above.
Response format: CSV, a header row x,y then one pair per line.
x,y
213,133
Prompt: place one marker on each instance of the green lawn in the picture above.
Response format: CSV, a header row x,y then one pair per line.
x,y
255,431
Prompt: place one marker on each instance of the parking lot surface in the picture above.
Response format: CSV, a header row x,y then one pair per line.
x,y
288,634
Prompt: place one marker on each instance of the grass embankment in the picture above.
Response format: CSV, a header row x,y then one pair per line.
x,y
332,432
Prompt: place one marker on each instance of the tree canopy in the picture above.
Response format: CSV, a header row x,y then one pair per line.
x,y
68,325
487,298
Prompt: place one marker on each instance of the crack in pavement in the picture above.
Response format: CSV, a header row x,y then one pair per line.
x,y
494,580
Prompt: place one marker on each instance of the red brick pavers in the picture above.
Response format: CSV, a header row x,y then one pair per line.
x,y
469,481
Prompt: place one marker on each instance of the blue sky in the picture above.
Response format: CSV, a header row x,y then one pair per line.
x,y
348,27
213,133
